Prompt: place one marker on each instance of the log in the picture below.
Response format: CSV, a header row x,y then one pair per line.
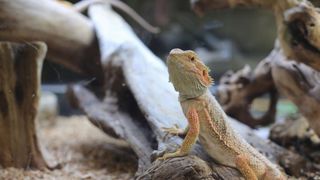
x,y
69,35
138,101
20,75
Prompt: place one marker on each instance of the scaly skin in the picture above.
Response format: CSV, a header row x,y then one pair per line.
x,y
208,122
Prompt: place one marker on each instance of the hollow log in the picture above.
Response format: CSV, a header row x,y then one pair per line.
x,y
69,35
138,101
20,75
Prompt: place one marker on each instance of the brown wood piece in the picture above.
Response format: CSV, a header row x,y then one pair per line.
x,y
300,84
237,90
20,76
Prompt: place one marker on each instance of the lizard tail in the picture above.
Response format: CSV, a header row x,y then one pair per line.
x,y
82,5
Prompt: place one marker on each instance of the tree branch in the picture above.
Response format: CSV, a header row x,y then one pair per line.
x,y
69,35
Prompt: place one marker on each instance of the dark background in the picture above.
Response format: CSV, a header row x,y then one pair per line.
x,y
224,39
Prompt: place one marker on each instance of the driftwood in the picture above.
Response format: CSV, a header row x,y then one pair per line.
x,y
297,25
292,68
138,101
20,75
298,82
69,35
237,90
301,84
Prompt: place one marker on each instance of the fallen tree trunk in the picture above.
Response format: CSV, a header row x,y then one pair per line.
x,y
20,75
138,101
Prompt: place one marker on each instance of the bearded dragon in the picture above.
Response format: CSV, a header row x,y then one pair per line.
x,y
208,122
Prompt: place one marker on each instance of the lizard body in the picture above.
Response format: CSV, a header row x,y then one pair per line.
x,y
208,122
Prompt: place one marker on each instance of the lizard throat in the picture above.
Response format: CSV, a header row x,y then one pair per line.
x,y
192,94
188,86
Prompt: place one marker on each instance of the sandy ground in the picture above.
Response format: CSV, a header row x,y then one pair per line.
x,y
82,152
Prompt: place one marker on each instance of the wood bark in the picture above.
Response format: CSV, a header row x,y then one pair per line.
x,y
20,75
138,101
69,35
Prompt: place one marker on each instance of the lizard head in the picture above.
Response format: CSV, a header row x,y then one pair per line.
x,y
189,76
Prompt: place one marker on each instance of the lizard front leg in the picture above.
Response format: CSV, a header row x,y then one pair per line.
x,y
243,166
191,137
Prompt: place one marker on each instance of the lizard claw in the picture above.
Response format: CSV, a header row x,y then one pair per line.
x,y
175,130
178,153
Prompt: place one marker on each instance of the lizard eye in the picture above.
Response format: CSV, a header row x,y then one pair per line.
x,y
192,58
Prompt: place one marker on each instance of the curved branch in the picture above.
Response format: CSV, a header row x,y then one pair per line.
x,y
69,35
